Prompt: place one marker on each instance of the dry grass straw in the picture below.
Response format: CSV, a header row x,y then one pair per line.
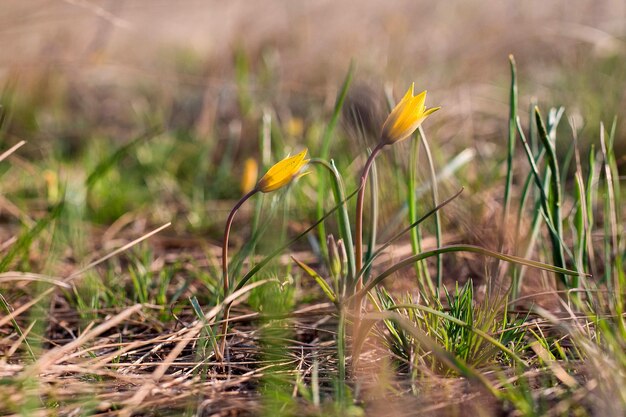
x,y
119,387
25,307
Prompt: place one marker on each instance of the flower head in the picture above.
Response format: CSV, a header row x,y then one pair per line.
x,y
282,173
408,114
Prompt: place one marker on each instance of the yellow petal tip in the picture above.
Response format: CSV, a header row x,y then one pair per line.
x,y
406,117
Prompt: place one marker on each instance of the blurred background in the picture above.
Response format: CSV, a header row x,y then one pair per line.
x,y
80,77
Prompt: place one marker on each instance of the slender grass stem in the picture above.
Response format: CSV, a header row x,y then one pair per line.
x,y
341,356
343,218
435,196
324,154
373,223
611,233
416,241
225,278
554,197
518,273
359,210
510,146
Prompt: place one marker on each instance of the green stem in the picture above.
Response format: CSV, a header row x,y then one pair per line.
x,y
324,152
341,356
359,210
373,220
435,197
554,197
510,148
343,218
225,278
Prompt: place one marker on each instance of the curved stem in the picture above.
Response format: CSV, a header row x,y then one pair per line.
x,y
225,278
384,246
462,248
359,211
229,223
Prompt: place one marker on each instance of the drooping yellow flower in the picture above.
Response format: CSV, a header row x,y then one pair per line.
x,y
250,175
408,114
282,173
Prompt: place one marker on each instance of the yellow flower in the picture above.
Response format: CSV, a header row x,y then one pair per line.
x,y
408,114
282,173
250,175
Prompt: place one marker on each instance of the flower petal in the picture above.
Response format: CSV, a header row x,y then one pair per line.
x,y
281,173
405,117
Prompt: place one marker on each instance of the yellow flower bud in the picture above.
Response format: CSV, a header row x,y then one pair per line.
x,y
406,117
282,173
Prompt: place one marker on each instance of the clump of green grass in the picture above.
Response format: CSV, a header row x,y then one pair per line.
x,y
480,334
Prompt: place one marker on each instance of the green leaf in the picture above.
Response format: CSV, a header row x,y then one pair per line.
x,y
320,281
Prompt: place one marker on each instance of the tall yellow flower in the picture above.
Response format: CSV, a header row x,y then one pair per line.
x,y
276,177
408,114
282,173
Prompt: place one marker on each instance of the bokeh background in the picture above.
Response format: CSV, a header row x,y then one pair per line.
x,y
76,73
566,51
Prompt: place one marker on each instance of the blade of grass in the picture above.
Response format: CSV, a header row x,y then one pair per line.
x,y
207,326
611,235
281,248
324,154
435,197
580,217
343,218
341,97
320,281
5,306
408,228
421,269
543,197
373,229
554,196
510,145
591,197
518,273
462,248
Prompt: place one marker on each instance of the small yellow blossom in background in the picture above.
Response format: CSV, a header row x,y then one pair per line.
x,y
52,185
294,127
282,173
408,114
249,176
